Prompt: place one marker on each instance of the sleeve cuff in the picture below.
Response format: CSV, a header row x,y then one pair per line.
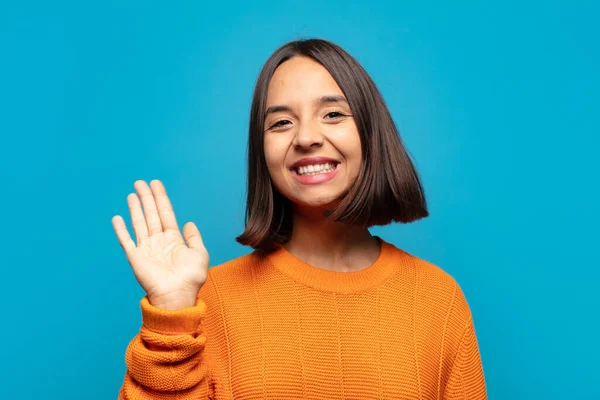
x,y
172,321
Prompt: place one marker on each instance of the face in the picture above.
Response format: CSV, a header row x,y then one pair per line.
x,y
311,142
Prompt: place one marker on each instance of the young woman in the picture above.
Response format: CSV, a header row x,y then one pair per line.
x,y
321,309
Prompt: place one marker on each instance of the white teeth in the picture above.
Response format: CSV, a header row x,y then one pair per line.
x,y
315,169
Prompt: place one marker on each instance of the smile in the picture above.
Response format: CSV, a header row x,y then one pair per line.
x,y
315,169
315,174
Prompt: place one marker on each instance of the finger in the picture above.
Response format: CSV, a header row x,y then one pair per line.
x,y
163,204
192,236
137,217
150,211
122,234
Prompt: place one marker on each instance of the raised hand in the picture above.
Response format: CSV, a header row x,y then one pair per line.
x,y
170,272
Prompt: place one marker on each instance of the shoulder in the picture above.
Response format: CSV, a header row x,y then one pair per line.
x,y
231,277
431,273
236,269
435,287
425,271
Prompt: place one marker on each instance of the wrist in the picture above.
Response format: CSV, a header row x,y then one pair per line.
x,y
172,321
172,303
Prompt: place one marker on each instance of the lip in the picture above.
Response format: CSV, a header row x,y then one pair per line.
x,y
313,161
317,178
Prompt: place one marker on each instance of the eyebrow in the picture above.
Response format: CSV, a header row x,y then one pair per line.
x,y
320,100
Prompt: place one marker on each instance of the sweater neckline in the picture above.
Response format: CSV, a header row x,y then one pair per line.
x,y
384,267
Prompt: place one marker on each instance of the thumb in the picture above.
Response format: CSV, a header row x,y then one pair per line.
x,y
192,236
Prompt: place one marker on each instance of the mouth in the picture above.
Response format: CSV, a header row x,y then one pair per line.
x,y
315,169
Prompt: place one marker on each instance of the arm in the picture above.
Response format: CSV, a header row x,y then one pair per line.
x,y
466,379
165,360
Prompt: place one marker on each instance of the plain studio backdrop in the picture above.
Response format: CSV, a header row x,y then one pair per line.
x,y
496,102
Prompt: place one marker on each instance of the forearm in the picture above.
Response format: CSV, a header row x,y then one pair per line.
x,y
165,359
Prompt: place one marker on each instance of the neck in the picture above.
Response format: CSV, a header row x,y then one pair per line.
x,y
331,245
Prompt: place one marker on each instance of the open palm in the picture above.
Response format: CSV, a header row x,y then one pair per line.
x,y
169,271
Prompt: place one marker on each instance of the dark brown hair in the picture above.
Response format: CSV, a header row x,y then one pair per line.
x,y
387,188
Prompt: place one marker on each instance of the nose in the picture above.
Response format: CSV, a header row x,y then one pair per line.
x,y
307,136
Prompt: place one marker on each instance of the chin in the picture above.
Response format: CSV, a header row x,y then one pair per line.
x,y
317,202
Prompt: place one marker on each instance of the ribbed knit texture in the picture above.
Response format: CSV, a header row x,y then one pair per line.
x,y
275,327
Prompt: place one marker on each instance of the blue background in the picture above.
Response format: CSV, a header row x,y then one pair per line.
x,y
496,102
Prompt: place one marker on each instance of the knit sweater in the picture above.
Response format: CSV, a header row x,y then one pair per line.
x,y
273,326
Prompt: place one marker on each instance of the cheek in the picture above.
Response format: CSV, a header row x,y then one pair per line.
x,y
275,150
347,142
357,156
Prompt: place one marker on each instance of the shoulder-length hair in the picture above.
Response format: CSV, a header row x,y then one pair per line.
x,y
388,187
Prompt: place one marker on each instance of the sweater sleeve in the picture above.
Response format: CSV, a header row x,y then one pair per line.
x,y
466,380
165,360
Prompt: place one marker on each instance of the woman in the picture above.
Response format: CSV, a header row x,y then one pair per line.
x,y
321,309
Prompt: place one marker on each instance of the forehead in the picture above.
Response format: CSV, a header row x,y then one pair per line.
x,y
300,79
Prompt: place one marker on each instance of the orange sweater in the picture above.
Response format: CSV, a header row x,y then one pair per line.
x,y
275,327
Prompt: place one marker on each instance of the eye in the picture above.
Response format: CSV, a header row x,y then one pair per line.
x,y
335,114
280,123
